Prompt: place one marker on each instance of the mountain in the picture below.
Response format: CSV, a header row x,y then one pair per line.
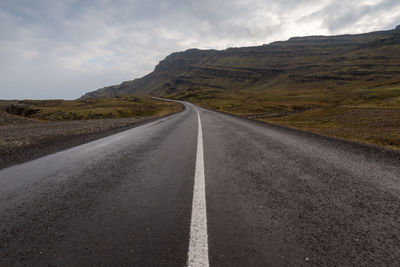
x,y
330,62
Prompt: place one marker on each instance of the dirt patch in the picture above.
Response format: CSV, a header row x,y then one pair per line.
x,y
22,139
10,119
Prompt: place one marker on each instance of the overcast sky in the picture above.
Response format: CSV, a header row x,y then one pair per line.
x,y
62,49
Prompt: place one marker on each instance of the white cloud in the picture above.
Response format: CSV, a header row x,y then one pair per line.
x,y
62,49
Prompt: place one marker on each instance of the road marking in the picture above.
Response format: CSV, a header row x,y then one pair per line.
x,y
198,244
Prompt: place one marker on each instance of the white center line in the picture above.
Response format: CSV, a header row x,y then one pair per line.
x,y
198,244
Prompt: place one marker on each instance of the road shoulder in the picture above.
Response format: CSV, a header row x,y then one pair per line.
x,y
22,143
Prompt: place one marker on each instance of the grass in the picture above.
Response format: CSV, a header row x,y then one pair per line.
x,y
368,125
95,108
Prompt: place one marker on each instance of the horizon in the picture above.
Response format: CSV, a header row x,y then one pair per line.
x,y
63,50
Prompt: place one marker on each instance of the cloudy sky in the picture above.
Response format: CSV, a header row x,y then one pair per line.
x,y
62,49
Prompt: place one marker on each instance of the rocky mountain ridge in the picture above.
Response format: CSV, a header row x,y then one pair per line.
x,y
332,62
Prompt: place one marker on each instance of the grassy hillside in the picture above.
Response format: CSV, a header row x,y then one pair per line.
x,y
335,62
97,108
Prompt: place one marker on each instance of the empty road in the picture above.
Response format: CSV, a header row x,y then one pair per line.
x,y
203,188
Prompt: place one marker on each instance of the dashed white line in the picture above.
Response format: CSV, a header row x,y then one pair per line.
x,y
198,244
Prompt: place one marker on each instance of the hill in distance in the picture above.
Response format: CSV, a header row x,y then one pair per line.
x,y
346,86
331,62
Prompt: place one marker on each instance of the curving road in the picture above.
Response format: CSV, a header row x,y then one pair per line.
x,y
204,188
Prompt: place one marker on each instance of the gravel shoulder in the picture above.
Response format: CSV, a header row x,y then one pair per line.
x,y
22,139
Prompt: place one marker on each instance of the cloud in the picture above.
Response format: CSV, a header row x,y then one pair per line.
x,y
62,49
341,17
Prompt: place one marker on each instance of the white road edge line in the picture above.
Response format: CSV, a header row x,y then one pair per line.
x,y
198,244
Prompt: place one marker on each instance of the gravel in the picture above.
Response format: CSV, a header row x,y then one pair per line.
x,y
23,139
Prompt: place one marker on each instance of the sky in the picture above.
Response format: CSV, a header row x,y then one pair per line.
x,y
63,49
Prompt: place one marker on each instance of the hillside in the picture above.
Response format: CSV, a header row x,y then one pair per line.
x,y
329,62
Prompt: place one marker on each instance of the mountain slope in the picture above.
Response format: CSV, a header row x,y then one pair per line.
x,y
330,62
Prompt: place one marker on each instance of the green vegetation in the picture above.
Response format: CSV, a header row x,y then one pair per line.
x,y
92,108
368,125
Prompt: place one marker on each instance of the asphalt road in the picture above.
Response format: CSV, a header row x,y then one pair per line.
x,y
226,191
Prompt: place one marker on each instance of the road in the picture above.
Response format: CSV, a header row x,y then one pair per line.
x,y
201,187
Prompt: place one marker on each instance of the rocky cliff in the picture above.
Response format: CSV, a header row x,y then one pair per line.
x,y
316,61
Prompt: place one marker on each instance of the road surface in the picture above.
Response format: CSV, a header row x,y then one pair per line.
x,y
204,188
